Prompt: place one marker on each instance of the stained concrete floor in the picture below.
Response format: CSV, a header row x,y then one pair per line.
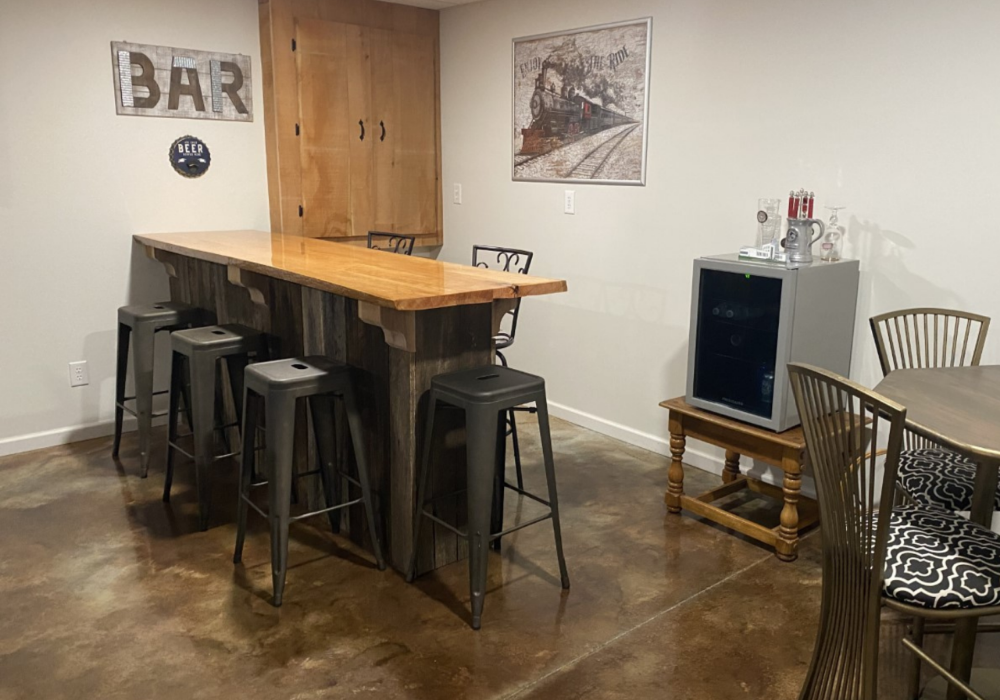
x,y
105,592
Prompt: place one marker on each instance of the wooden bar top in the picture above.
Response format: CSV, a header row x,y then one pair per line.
x,y
395,281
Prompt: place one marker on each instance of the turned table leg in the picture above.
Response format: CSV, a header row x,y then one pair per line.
x,y
786,548
675,475
731,471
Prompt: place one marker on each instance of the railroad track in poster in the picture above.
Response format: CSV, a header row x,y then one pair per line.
x,y
579,159
591,163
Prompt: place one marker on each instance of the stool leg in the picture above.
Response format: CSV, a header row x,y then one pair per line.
x,y
280,421
364,476
237,365
176,380
219,408
121,372
326,445
142,363
248,455
517,448
481,466
550,477
499,478
203,381
423,478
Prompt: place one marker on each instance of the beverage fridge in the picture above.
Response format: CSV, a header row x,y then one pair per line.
x,y
750,319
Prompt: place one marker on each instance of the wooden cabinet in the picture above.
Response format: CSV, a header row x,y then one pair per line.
x,y
353,123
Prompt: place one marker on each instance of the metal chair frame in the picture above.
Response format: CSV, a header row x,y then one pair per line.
x,y
391,242
840,419
508,260
920,338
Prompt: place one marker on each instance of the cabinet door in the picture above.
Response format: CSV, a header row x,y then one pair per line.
x,y
404,101
335,142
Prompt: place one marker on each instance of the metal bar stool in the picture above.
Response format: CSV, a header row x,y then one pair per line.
x,y
279,384
195,359
486,394
145,322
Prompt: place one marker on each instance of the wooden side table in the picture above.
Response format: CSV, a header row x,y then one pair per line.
x,y
786,450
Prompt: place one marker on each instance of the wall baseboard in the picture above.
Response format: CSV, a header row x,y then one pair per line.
x,y
654,443
693,456
65,436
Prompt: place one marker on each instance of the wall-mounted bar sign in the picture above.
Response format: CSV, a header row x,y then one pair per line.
x,y
160,81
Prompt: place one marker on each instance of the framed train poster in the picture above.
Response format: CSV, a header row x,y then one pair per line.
x,y
581,104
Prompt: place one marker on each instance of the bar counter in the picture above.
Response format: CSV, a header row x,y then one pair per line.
x,y
399,320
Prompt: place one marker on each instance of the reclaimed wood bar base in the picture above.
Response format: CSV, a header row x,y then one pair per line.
x,y
786,450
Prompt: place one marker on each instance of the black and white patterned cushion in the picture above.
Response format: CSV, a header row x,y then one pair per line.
x,y
939,479
941,561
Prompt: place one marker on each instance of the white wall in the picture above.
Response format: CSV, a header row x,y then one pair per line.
x,y
76,181
896,117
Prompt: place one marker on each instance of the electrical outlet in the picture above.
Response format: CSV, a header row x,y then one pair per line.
x,y
570,207
457,194
78,374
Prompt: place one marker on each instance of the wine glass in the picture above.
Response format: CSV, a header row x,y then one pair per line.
x,y
832,241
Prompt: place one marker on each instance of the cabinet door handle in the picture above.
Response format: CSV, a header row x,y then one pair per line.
x,y
361,123
382,137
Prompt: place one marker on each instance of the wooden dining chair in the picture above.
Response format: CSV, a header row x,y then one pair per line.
x,y
509,260
932,338
926,563
391,242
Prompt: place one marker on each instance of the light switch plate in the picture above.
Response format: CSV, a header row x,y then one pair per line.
x,y
570,207
457,194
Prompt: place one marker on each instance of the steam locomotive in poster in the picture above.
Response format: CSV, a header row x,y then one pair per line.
x,y
560,113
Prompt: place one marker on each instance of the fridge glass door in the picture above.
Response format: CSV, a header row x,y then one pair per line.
x,y
737,340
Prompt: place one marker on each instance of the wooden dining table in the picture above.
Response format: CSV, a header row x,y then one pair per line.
x,y
958,408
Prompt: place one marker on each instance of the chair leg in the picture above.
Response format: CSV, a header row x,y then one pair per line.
x,y
321,408
550,477
176,379
203,393
364,476
121,374
517,448
280,417
481,468
918,639
251,410
424,477
142,363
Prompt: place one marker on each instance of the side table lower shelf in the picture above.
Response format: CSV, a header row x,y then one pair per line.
x,y
784,450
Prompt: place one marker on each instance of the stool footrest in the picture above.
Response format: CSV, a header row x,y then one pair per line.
x,y
533,521
321,511
503,533
442,523
215,458
532,496
311,514
133,412
506,484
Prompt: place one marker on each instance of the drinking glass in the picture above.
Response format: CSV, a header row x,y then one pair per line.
x,y
768,221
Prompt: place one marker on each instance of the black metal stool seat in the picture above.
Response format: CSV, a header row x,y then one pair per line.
x,y
279,384
145,321
486,394
198,351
